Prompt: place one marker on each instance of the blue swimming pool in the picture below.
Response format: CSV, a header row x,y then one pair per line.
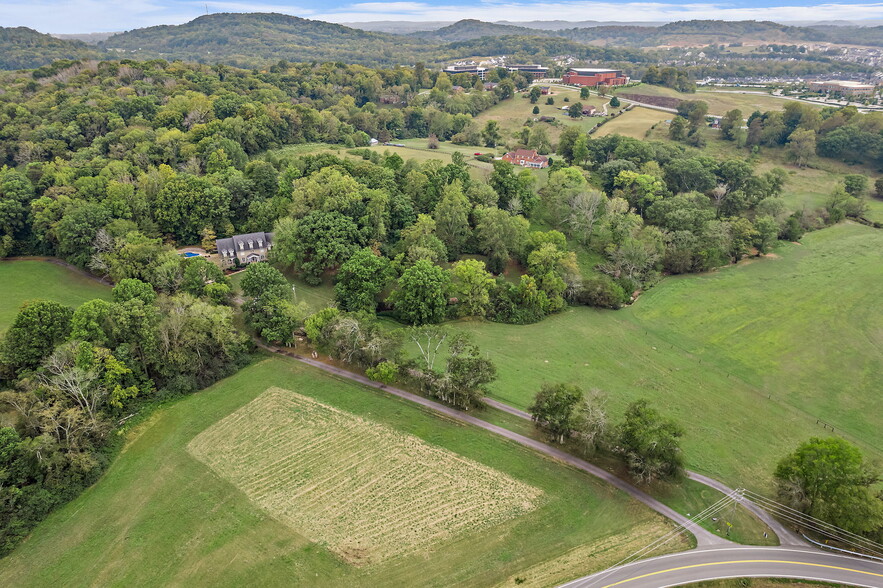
x,y
190,254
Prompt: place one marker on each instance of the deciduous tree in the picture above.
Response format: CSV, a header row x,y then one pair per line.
x,y
421,295
38,327
360,279
828,479
554,409
650,443
471,285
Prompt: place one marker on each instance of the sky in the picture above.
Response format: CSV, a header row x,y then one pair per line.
x,y
85,16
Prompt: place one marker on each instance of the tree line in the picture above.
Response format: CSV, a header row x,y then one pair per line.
x,y
827,479
805,133
72,376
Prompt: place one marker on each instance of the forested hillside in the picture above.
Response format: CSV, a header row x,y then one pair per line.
x,y
261,39
694,32
467,29
22,48
243,39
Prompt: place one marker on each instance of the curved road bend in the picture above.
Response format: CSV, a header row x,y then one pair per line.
x,y
713,563
714,557
703,538
785,535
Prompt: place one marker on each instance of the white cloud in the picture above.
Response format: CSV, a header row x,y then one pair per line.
x,y
591,10
223,6
389,7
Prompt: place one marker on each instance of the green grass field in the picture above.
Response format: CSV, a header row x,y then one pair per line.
x,y
633,123
315,297
719,101
29,279
689,497
511,114
747,358
159,516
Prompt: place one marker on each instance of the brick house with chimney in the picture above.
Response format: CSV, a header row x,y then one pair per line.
x,y
526,158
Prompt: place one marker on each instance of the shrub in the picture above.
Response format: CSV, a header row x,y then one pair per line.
x,y
315,324
385,372
601,291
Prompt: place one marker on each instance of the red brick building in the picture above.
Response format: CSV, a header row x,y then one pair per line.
x,y
586,76
526,158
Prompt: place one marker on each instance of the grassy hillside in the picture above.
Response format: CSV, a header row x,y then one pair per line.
x,y
25,280
512,114
746,358
719,101
161,517
634,123
24,48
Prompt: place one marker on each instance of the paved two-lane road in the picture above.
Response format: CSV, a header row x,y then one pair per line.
x,y
715,557
712,563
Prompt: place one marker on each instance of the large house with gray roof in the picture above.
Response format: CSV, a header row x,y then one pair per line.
x,y
244,248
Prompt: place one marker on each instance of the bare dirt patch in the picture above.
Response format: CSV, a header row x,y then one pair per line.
x,y
365,490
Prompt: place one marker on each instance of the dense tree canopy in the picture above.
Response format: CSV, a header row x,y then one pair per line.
x,y
828,479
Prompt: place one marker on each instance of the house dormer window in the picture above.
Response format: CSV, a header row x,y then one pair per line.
x,y
260,242
241,246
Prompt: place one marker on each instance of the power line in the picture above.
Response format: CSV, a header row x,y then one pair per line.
x,y
817,525
810,520
679,530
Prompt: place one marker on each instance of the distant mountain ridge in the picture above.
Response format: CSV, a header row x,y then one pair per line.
x,y
467,29
88,38
696,31
24,48
405,27
261,39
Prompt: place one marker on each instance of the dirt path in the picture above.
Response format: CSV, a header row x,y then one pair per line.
x,y
703,537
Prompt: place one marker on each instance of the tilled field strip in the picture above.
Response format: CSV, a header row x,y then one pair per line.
x,y
365,490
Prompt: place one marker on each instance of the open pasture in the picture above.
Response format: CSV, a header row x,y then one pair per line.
x,y
633,123
161,517
511,114
719,101
28,279
747,358
363,489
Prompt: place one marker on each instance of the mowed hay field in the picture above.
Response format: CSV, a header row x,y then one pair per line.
x,y
31,279
633,123
159,516
747,358
365,490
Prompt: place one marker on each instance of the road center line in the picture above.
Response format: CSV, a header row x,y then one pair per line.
x,y
744,561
